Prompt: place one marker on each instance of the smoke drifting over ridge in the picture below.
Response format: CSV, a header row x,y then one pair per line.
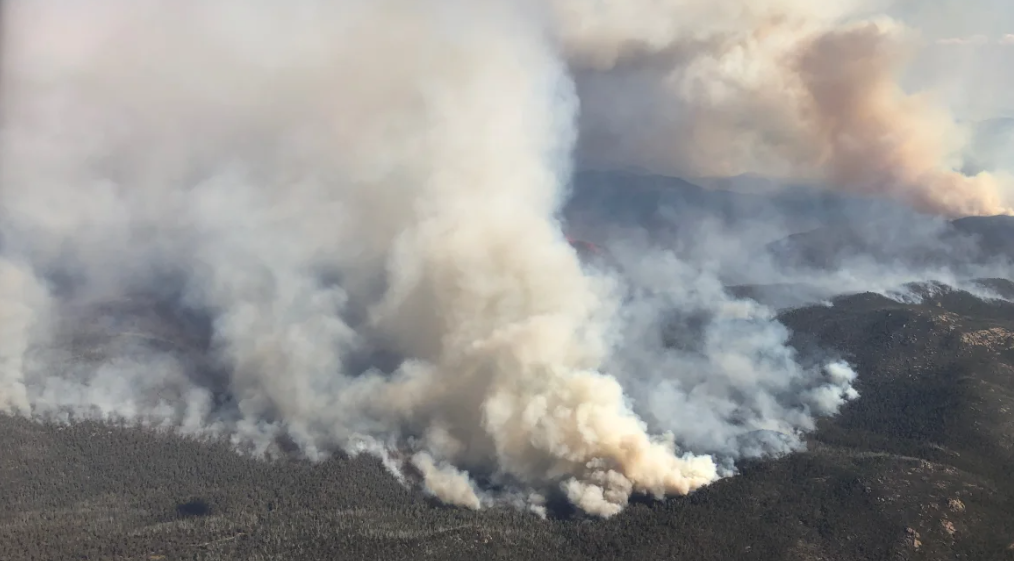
x,y
336,223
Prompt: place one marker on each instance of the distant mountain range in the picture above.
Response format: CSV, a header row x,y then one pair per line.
x,y
814,228
629,198
972,240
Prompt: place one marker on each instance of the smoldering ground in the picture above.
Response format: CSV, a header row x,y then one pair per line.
x,y
337,225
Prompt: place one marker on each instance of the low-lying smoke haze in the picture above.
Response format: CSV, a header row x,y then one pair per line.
x,y
337,226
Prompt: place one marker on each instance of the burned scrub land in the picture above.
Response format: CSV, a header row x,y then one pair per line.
x,y
917,468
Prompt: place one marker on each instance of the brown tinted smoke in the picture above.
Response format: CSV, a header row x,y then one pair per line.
x,y
801,91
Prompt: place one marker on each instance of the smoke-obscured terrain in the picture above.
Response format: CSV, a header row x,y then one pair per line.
x,y
917,468
319,228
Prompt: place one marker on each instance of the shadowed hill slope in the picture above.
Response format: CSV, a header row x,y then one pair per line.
x,y
972,240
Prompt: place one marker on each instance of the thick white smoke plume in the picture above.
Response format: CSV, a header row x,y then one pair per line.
x,y
335,222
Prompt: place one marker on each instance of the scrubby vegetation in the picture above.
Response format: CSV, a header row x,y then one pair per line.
x,y
918,468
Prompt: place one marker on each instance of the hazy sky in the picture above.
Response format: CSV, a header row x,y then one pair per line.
x,y
966,60
970,66
956,18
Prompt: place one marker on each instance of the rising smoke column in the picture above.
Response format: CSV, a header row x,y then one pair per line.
x,y
319,184
797,90
434,165
23,305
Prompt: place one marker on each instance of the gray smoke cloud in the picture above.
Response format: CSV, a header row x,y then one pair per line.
x,y
336,225
739,389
